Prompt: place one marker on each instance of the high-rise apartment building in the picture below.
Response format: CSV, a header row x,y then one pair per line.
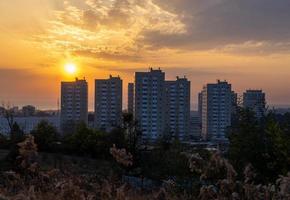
x,y
255,100
131,98
150,103
74,103
178,108
108,103
162,108
216,110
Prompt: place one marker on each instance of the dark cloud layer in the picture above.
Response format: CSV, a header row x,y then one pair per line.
x,y
214,24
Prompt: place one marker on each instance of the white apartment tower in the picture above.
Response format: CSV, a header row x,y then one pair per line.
x,y
108,103
150,103
74,103
216,110
255,100
178,108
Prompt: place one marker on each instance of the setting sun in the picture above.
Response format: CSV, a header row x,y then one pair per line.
x,y
70,68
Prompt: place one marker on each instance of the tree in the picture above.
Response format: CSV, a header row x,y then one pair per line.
x,y
45,135
261,143
132,133
4,142
17,135
77,141
276,152
69,127
164,163
117,136
9,115
88,142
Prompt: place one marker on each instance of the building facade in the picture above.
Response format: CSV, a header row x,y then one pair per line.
x,y
195,126
255,100
150,104
178,108
162,108
74,104
108,103
27,124
199,109
131,98
216,110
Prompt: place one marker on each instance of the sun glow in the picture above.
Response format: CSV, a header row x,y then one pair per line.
x,y
70,68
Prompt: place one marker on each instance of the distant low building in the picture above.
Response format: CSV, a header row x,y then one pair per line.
x,y
27,124
281,111
195,126
28,110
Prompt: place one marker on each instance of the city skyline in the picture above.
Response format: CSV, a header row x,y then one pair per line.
x,y
245,42
161,106
91,96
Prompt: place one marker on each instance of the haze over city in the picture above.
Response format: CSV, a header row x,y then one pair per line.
x,y
145,99
245,42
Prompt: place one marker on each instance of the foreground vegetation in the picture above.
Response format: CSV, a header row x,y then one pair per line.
x,y
28,181
89,164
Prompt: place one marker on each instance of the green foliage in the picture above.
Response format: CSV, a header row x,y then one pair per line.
x,y
89,142
263,143
4,142
163,163
45,135
132,133
276,149
16,136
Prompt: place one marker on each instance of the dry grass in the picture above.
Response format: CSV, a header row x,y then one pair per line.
x,y
218,176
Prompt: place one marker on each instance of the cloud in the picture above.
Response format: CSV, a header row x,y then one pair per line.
x,y
114,56
215,24
130,30
256,48
104,27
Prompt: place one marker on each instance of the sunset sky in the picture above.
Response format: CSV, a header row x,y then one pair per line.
x,y
246,42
